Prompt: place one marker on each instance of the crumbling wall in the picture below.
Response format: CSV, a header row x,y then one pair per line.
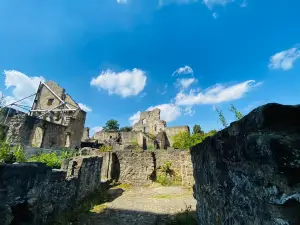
x,y
129,137
249,172
33,194
85,134
172,131
22,129
75,129
105,136
150,122
140,167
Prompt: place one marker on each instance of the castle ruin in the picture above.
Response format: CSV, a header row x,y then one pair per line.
x,y
54,120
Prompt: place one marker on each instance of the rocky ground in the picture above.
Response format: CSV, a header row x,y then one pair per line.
x,y
144,206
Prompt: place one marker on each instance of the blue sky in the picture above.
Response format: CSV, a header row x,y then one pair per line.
x,y
120,57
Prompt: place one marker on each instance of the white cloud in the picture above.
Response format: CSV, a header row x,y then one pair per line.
x,y
126,83
135,118
185,83
216,94
94,130
22,86
122,1
285,59
189,111
183,70
84,107
168,112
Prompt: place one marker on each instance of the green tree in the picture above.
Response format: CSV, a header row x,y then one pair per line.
x,y
238,114
111,125
197,129
221,117
182,140
126,129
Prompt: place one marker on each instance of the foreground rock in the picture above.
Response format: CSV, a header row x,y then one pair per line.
x,y
33,194
249,173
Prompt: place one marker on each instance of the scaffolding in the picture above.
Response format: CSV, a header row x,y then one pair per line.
x,y
63,107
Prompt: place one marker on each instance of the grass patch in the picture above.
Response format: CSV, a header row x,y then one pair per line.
x,y
187,217
123,186
93,203
99,208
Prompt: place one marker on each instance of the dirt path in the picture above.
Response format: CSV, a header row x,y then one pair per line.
x,y
142,206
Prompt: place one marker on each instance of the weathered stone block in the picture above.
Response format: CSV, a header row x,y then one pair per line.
x,y
33,194
249,172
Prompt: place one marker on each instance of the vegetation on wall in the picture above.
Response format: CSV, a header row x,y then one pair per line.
x,y
105,148
238,115
167,176
12,154
222,118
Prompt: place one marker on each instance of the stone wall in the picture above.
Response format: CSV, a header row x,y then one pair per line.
x,y
75,129
140,167
33,194
31,131
105,136
172,131
85,134
249,172
129,137
150,122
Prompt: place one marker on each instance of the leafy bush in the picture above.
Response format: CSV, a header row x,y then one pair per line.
x,y
50,159
184,140
5,152
105,148
68,153
19,154
166,176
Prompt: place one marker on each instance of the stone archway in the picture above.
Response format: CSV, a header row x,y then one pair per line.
x,y
37,139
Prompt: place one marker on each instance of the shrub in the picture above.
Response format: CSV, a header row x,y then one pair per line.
x,y
5,152
68,153
166,176
19,154
105,148
184,140
50,159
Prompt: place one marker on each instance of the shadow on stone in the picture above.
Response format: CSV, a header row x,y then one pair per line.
x,y
131,217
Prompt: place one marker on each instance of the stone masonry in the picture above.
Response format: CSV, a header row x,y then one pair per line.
x,y
147,133
150,122
33,194
140,167
47,125
249,172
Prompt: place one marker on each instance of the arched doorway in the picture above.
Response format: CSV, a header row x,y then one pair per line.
x,y
37,139
68,140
